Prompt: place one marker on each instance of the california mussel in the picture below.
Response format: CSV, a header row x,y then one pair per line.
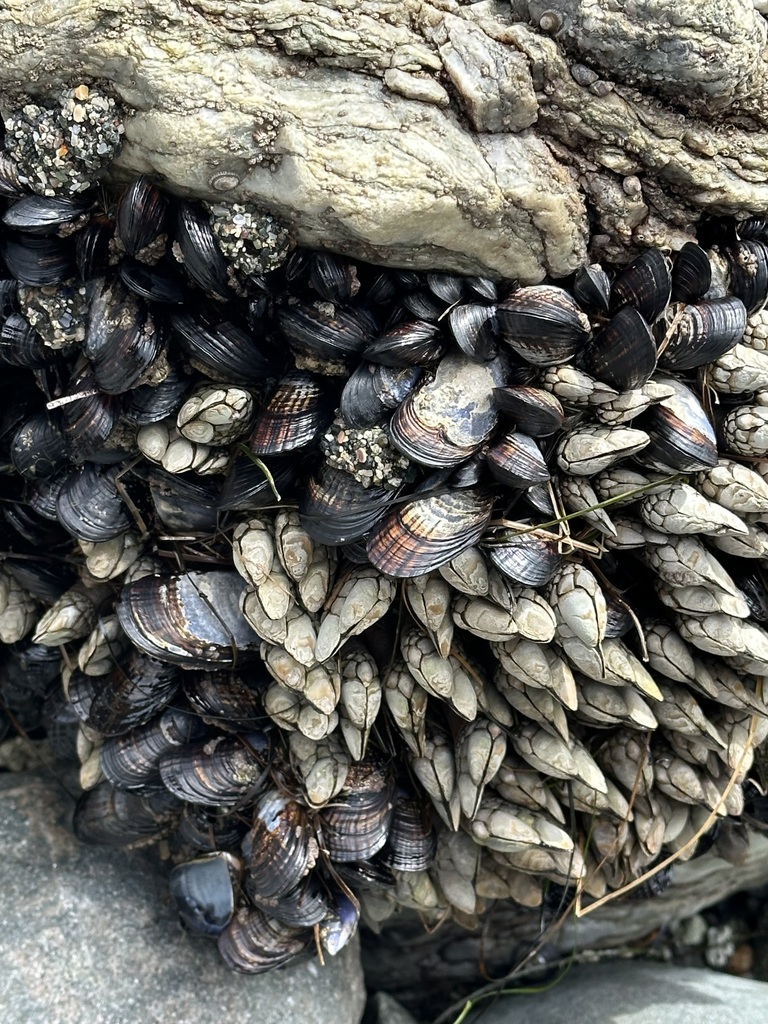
x,y
370,588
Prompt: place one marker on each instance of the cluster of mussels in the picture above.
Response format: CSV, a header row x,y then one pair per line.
x,y
360,587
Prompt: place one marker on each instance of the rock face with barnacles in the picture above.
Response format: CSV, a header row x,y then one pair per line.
x,y
474,137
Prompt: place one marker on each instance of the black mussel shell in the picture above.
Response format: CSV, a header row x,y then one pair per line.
x,y
61,724
229,700
220,349
543,324
28,670
10,185
517,461
755,228
333,277
47,215
158,283
483,287
227,771
203,259
702,333
280,848
253,943
298,411
38,447
21,345
533,410
247,486
184,502
356,824
423,305
106,816
304,906
645,284
142,215
150,403
132,760
192,619
207,829
123,340
335,508
426,532
93,247
748,262
691,274
415,343
373,390
9,296
87,422
204,894
322,331
37,261
134,692
89,505
474,329
447,418
42,498
623,353
44,578
412,842
525,558
592,289
448,287
339,926
682,437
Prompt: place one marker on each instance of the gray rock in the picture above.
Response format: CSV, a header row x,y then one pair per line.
x,y
88,936
383,1009
636,993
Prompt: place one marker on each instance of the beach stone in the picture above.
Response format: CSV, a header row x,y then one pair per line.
x,y
636,992
89,936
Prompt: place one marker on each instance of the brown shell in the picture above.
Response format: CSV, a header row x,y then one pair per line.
x,y
253,943
293,417
279,849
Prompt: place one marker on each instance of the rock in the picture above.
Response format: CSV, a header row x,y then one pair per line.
x,y
635,993
89,935
383,1009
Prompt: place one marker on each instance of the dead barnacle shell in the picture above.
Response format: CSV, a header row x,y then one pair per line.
x,y
252,240
543,324
551,22
224,181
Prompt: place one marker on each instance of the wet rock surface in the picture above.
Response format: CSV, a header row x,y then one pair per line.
x,y
636,993
88,935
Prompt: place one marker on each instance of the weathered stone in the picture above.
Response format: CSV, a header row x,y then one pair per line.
x,y
89,935
383,1009
635,993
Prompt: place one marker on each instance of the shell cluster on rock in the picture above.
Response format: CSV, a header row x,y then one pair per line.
x,y
364,588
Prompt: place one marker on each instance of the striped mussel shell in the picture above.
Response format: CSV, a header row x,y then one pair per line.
x,y
355,826
132,760
516,460
698,334
543,324
226,771
748,277
623,353
412,841
105,816
682,437
532,410
336,509
229,700
646,285
280,848
303,907
134,692
524,557
297,412
253,942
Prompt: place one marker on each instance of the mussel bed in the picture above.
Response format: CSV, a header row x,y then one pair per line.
x,y
359,588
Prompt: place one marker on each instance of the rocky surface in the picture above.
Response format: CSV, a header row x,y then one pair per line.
x,y
88,936
634,993
435,134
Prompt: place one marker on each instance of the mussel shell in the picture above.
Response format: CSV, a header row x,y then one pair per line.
x,y
356,824
333,277
89,505
134,693
412,841
203,259
248,487
704,333
340,924
645,284
474,328
150,403
682,437
88,422
748,281
21,345
543,324
192,619
226,771
423,305
298,411
335,508
592,289
415,343
46,215
623,353
219,348
204,894
517,461
206,829
226,699
61,724
159,283
132,760
304,906
445,420
122,341
691,274
38,448
525,558
253,943
339,334
93,246
533,410
183,502
37,261
106,816
142,215
426,532
280,848
372,391
448,287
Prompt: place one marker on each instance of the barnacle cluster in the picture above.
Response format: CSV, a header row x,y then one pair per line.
x,y
365,588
